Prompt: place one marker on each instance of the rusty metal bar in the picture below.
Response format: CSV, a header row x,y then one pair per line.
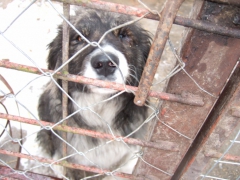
x,y
65,164
229,2
185,99
109,6
187,22
65,56
209,27
165,24
164,145
215,154
7,173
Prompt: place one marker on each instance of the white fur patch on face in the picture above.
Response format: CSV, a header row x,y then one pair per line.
x,y
119,76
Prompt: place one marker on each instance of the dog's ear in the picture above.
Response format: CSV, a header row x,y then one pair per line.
x,y
55,51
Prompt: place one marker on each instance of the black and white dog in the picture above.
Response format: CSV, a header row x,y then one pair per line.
x,y
127,49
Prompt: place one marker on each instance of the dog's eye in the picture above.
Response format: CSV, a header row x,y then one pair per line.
x,y
79,38
122,36
76,40
125,35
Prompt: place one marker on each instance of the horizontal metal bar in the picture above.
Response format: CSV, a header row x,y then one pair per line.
x,y
65,164
229,2
208,26
164,145
228,157
190,100
196,24
6,173
113,7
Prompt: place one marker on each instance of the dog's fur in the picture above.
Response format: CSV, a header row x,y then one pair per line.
x,y
128,47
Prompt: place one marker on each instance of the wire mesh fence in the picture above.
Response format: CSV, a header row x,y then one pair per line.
x,y
25,146
19,101
213,172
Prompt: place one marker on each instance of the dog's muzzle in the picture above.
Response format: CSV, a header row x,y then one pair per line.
x,y
103,65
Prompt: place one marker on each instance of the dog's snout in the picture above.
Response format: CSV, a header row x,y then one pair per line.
x,y
103,65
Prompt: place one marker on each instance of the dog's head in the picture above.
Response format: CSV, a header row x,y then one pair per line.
x,y
120,58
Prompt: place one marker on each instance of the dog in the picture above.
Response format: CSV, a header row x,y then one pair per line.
x,y
120,58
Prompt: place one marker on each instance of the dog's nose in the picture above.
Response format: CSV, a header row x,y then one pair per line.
x,y
103,65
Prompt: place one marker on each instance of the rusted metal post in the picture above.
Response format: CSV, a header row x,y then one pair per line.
x,y
65,56
165,24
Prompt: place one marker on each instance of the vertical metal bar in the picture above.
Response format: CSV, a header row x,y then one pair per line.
x,y
65,56
168,15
